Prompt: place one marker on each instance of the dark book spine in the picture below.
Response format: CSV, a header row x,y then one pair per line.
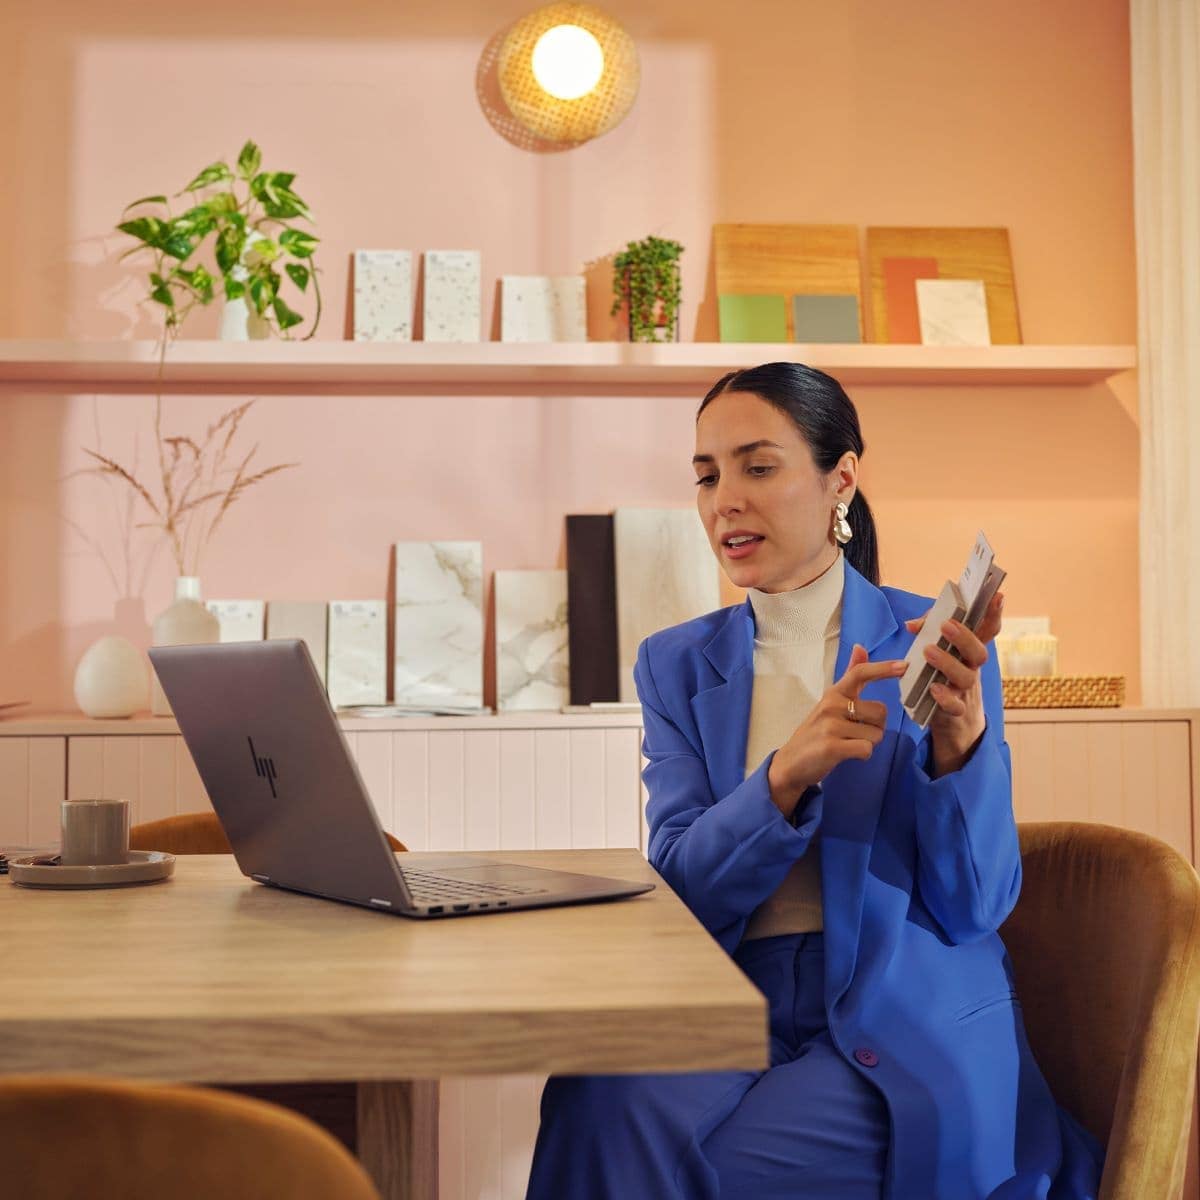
x,y
592,609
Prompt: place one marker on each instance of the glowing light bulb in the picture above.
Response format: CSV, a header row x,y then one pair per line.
x,y
567,62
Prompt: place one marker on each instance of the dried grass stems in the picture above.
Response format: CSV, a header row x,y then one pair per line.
x,y
199,483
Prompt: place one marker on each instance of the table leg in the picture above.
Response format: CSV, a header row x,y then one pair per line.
x,y
398,1137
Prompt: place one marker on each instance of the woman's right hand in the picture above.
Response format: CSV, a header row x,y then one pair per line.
x,y
828,735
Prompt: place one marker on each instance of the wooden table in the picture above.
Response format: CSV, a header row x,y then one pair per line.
x,y
210,978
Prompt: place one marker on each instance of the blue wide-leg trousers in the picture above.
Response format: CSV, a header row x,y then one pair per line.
x,y
808,1128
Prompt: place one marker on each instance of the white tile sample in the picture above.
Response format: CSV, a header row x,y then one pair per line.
x,y
953,312
452,310
543,308
531,640
438,623
666,574
357,672
303,619
383,296
240,620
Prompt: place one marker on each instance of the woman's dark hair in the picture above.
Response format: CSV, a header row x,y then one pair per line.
x,y
828,422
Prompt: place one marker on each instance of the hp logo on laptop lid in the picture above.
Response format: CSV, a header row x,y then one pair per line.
x,y
264,767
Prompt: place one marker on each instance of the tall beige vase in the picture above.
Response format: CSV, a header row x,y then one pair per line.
x,y
185,623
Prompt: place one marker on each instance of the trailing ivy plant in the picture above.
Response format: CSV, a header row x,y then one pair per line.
x,y
646,279
245,211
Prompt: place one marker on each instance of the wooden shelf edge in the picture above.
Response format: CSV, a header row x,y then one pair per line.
x,y
145,725
511,368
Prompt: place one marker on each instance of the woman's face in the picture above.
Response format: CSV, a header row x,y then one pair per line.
x,y
755,475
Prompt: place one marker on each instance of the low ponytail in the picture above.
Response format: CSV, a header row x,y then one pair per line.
x,y
862,550
828,422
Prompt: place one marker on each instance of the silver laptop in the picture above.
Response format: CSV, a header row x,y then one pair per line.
x,y
271,754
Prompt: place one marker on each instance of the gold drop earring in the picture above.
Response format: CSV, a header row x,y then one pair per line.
x,y
842,532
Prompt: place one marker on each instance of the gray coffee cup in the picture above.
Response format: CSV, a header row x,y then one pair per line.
x,y
94,832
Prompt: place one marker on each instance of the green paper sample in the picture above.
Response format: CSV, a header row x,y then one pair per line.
x,y
753,318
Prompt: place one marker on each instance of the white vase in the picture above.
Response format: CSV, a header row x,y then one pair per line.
x,y
239,321
110,680
186,622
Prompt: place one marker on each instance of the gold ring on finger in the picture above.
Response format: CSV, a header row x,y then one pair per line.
x,y
851,714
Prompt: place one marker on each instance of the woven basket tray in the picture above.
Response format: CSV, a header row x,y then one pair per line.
x,y
1064,691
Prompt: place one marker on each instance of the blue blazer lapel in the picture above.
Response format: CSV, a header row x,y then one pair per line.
x,y
854,790
723,712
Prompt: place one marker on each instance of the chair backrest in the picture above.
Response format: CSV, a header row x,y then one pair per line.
x,y
194,833
1105,943
114,1140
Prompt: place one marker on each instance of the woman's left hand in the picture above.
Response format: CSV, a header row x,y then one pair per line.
x,y
959,721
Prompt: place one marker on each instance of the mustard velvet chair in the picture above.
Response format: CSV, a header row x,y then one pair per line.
x,y
66,1137
195,833
1105,943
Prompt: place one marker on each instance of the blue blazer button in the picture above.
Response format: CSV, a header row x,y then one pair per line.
x,y
868,1058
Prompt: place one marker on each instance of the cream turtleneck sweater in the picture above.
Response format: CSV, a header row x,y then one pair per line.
x,y
795,651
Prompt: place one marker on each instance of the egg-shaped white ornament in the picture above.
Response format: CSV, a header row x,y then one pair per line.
x,y
111,679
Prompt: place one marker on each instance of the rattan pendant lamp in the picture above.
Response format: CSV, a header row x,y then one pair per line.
x,y
568,72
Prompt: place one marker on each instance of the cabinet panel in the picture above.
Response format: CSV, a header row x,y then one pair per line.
x,y
410,788
552,789
481,790
372,752
585,789
159,793
154,773
85,768
516,786
1135,774
444,780
33,774
622,767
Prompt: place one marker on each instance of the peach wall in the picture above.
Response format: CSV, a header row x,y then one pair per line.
x,y
865,112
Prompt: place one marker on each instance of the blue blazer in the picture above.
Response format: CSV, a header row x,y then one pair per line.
x,y
917,875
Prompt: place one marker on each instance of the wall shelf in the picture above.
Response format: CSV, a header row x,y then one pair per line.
x,y
496,368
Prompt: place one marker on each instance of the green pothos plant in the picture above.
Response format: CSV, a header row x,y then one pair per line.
x,y
242,214
646,280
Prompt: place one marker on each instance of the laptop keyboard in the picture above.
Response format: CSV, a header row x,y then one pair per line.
x,y
430,888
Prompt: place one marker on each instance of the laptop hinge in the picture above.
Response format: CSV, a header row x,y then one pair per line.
x,y
260,878
381,903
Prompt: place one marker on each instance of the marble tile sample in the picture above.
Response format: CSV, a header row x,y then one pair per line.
x,y
531,641
240,620
666,574
301,619
592,609
900,277
357,670
383,296
543,308
452,311
825,319
438,623
752,318
953,312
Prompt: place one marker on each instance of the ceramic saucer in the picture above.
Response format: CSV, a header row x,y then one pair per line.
x,y
144,866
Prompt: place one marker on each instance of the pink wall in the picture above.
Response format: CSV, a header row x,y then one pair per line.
x,y
865,112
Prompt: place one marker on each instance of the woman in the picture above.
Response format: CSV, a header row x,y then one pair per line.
x,y
855,866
